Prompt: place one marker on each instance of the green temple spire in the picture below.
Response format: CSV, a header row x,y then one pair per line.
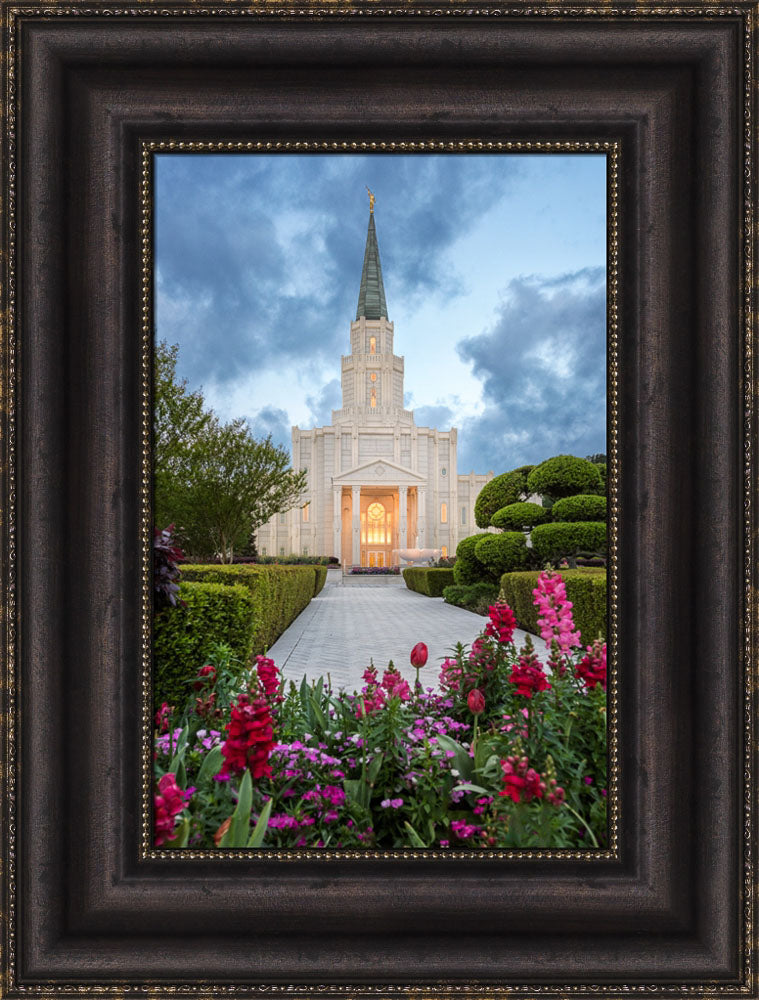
x,y
371,297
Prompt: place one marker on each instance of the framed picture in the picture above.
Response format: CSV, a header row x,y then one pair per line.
x,y
400,701
94,97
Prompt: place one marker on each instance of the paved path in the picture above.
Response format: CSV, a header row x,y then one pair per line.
x,y
346,626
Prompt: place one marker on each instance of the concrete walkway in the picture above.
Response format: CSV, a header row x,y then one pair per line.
x,y
345,627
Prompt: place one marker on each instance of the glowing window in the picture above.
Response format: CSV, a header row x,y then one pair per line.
x,y
444,513
444,552
373,377
373,400
306,514
379,524
372,345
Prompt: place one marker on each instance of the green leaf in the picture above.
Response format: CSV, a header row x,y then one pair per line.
x,y
462,758
256,838
237,834
211,764
304,694
468,787
357,791
179,751
181,774
318,715
413,836
181,834
374,768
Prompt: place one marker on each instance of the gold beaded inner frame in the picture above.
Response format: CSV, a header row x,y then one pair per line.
x,y
613,153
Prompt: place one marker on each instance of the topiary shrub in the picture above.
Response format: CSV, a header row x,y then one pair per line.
x,y
501,553
468,568
564,476
565,539
586,589
476,597
280,593
517,516
211,613
583,507
505,489
428,580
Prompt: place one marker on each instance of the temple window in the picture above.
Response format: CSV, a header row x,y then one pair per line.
x,y
373,400
372,345
444,513
444,552
463,515
306,512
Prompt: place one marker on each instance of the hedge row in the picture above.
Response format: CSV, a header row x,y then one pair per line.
x,y
427,580
183,636
279,593
586,589
321,578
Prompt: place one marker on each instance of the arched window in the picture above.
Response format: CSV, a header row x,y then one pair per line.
x,y
444,552
373,400
372,345
444,513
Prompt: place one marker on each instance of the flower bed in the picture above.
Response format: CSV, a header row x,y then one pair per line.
x,y
375,570
508,752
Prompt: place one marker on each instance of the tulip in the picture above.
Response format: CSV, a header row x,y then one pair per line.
x,y
476,702
419,655
418,659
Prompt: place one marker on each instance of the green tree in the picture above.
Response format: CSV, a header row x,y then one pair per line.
x,y
178,420
234,483
505,489
563,476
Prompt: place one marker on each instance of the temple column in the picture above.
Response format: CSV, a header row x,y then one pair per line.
x,y
402,516
356,511
337,543
420,518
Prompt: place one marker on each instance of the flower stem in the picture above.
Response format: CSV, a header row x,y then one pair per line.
x,y
592,835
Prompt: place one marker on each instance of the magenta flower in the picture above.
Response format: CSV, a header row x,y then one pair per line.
x,y
555,618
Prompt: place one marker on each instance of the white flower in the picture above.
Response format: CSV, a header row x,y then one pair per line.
x,y
454,772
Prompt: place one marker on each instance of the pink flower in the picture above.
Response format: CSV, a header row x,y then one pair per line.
x,y
555,619
268,675
419,655
395,685
476,701
162,717
521,782
169,801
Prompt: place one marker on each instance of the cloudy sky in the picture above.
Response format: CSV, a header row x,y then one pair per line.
x,y
494,273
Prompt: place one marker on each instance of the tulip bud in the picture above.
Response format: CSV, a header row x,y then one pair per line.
x,y
419,655
476,701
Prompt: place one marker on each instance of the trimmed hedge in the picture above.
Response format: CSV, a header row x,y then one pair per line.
x,y
501,553
280,593
516,516
321,578
564,476
468,568
586,589
182,636
476,597
551,542
427,580
583,507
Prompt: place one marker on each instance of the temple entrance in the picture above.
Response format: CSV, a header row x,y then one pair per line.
x,y
377,523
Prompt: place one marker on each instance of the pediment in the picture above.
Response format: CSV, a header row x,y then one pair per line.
x,y
378,471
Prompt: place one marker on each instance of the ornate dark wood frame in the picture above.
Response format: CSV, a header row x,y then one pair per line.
x,y
84,88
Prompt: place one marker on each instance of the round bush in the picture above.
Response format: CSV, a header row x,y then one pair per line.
x,y
502,553
468,569
520,515
551,542
499,492
564,476
583,507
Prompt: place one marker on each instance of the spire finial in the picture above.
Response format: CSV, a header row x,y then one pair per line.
x,y
372,199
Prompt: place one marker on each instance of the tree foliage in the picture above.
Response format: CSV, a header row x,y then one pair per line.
x,y
214,480
517,516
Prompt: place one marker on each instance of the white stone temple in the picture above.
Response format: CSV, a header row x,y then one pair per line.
x,y
377,483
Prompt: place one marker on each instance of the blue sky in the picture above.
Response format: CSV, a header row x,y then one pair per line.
x,y
494,273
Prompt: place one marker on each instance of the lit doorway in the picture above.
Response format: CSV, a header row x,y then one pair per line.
x,y
376,533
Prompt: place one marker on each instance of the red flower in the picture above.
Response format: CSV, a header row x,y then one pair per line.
x,y
206,675
501,624
528,675
476,702
592,667
522,783
249,738
419,655
169,801
268,674
395,685
162,717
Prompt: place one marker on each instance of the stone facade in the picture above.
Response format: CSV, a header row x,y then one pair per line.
x,y
377,483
